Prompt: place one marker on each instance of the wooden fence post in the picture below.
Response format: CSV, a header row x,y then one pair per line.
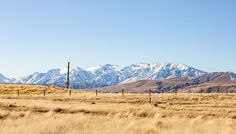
x,y
175,91
18,92
122,92
150,99
44,92
70,92
96,92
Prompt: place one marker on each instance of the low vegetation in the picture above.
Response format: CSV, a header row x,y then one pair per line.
x,y
58,112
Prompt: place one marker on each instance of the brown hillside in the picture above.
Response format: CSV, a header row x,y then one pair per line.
x,y
215,82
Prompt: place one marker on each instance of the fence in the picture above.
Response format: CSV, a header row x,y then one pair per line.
x,y
122,92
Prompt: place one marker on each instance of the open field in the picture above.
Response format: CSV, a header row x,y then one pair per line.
x,y
83,112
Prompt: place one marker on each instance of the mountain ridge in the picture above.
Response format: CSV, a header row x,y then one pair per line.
x,y
110,75
4,79
217,82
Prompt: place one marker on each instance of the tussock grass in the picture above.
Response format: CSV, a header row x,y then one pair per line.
x,y
84,112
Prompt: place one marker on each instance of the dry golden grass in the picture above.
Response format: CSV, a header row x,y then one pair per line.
x,y
85,113
32,90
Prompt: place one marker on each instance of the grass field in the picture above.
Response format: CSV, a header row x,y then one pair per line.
x,y
83,112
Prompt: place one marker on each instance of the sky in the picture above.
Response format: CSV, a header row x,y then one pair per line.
x,y
38,35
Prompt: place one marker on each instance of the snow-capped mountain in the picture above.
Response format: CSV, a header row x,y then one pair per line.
x,y
108,75
158,72
4,79
218,76
57,76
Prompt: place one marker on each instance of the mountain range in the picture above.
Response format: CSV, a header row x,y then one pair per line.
x,y
109,75
4,79
217,82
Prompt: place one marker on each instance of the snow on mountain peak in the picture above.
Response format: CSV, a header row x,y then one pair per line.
x,y
4,79
103,68
232,76
107,75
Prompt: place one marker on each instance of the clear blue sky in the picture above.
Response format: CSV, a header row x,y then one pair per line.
x,y
37,35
